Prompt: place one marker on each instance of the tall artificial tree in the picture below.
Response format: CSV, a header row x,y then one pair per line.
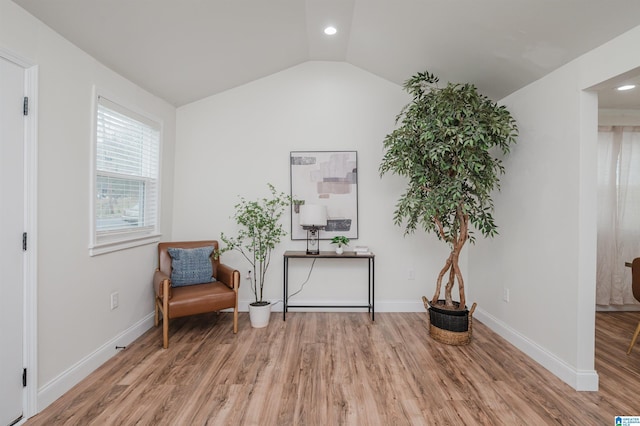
x,y
444,147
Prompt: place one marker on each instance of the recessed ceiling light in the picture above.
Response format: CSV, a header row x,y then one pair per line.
x,y
330,31
627,87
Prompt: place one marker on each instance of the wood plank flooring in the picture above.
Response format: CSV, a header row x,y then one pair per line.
x,y
342,369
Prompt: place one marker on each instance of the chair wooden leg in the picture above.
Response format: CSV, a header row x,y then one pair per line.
x,y
635,337
156,318
165,333
165,315
235,320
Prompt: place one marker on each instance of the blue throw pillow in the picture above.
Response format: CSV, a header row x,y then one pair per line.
x,y
191,266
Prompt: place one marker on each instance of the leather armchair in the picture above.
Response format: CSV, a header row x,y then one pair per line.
x,y
174,302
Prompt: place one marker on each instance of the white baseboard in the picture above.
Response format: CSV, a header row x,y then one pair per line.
x,y
617,308
401,306
392,306
581,380
73,375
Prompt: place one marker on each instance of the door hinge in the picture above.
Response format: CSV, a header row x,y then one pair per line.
x,y
24,378
25,106
24,241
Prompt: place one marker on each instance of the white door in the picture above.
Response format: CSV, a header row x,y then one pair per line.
x,y
12,226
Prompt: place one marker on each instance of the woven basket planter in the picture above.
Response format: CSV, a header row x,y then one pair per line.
x,y
451,327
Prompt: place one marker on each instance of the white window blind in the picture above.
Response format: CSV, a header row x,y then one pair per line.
x,y
126,174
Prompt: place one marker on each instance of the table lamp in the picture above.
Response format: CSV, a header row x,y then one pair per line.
x,y
313,217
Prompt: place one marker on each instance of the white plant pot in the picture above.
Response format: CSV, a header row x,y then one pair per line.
x,y
259,315
339,250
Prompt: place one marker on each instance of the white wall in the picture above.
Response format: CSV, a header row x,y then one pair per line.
x,y
76,328
617,117
233,143
546,211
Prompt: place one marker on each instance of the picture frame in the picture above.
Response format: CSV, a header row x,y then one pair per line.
x,y
328,178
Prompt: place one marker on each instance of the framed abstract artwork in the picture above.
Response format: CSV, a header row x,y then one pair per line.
x,y
330,179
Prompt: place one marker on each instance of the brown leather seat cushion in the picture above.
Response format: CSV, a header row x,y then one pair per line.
x,y
200,298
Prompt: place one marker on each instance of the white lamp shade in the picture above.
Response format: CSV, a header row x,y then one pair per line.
x,y
313,215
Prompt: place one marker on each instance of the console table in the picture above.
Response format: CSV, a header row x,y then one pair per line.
x,y
347,255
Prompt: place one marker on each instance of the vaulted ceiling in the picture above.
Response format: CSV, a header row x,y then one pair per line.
x,y
185,50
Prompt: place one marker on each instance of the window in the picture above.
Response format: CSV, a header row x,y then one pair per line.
x,y
126,186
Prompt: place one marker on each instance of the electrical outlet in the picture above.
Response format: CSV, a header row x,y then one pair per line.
x,y
411,274
114,300
505,294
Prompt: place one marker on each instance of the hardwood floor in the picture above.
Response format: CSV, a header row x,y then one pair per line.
x,y
339,368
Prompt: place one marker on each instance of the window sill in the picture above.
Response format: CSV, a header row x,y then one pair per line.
x,y
112,246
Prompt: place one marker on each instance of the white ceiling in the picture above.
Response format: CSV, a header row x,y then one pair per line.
x,y
185,50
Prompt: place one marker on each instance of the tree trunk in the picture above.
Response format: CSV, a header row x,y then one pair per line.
x,y
451,266
448,298
436,294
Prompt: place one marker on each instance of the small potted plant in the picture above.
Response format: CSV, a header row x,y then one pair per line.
x,y
260,231
340,240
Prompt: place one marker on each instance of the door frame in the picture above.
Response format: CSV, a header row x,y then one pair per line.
x,y
30,278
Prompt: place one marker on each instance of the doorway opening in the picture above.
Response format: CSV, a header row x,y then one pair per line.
x,y
618,189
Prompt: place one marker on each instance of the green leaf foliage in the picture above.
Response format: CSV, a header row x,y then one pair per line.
x,y
443,147
340,240
260,230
